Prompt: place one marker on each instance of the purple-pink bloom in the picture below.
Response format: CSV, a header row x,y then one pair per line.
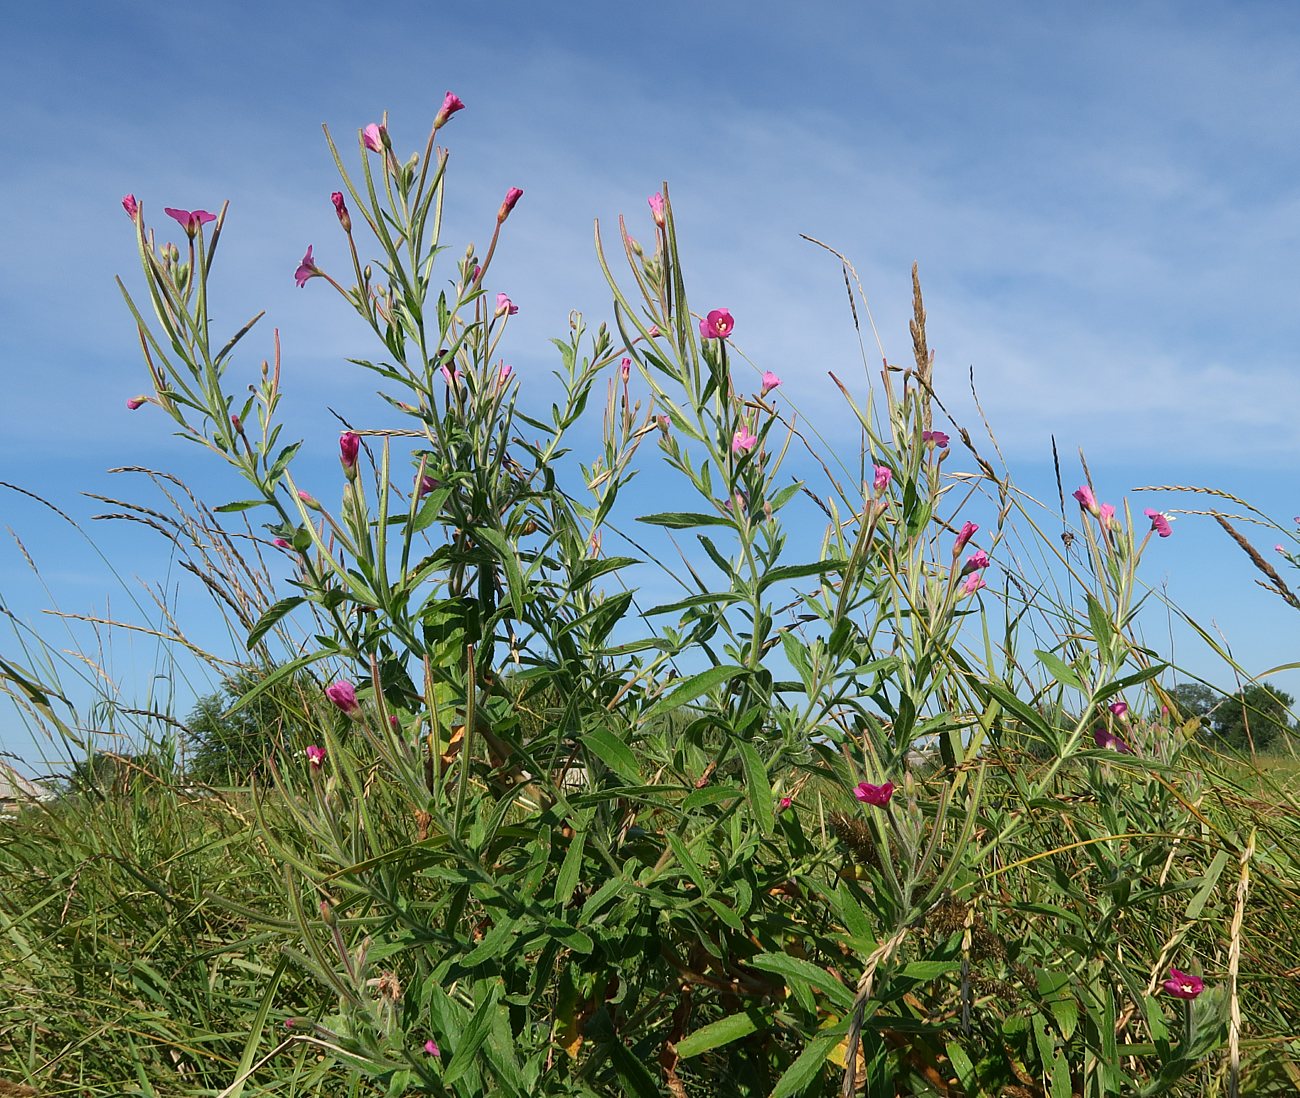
x,y
136,402
1119,709
877,795
503,374
742,442
1183,985
315,756
130,205
513,195
883,475
786,802
1108,741
1086,499
973,583
426,485
190,220
451,103
934,438
716,325
373,136
968,531
431,1047
506,307
344,695
450,376
977,561
625,369
1106,515
306,269
349,447
770,382
281,543
1159,522
656,201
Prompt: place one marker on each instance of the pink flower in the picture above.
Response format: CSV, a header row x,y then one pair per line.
x,y
655,333
344,695
341,210
427,484
315,756
190,220
1106,515
625,369
349,446
1108,741
450,376
742,442
656,201
136,402
451,103
1183,985
975,562
770,382
506,307
877,795
1276,548
431,1047
281,543
717,325
934,438
513,195
968,531
503,374
1086,499
1119,709
786,802
1160,524
130,205
373,136
882,478
306,269
973,583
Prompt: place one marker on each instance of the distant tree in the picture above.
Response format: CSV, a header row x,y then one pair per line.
x,y
225,748
1195,700
1258,717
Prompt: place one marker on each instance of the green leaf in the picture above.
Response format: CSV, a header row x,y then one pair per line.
x,y
506,555
929,970
471,1040
756,786
1061,671
613,752
807,1067
797,970
567,879
798,571
273,614
239,505
1208,882
692,688
684,520
716,1034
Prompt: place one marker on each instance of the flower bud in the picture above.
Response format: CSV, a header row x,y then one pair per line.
x,y
341,209
451,103
131,207
349,446
656,201
513,195
136,402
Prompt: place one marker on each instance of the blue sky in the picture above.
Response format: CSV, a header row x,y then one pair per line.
x,y
1103,202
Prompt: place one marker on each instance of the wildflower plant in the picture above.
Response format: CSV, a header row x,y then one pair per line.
x,y
815,824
